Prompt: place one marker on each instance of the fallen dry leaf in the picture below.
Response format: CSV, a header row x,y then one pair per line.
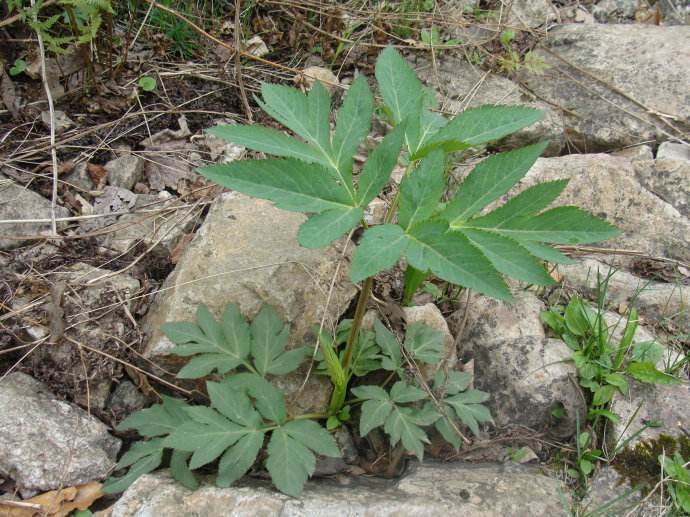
x,y
56,503
98,175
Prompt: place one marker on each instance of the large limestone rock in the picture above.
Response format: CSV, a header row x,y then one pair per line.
x,y
45,443
634,59
18,202
432,489
527,375
461,85
246,252
607,186
667,405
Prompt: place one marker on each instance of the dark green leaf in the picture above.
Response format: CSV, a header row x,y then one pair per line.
x,y
530,201
399,86
489,180
451,257
401,426
647,372
561,225
233,404
322,229
421,190
143,466
379,166
484,124
269,338
509,257
603,395
546,253
267,140
157,420
291,184
423,343
374,414
353,122
380,247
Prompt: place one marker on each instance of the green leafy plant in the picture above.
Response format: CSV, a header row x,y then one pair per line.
x,y
147,83
77,24
18,67
678,486
463,239
604,367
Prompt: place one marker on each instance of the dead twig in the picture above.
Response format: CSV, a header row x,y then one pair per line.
x,y
238,62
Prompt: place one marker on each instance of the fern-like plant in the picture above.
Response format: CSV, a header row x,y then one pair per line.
x,y
455,239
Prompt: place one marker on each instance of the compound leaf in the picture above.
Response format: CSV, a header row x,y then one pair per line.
x,y
374,414
401,426
402,393
145,465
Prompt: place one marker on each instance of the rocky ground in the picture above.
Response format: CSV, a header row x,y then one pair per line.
x,y
144,240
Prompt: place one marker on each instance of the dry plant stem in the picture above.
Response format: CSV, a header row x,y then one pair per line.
x,y
51,108
238,62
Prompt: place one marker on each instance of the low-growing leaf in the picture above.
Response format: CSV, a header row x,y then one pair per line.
x,y
423,343
289,463
648,373
402,393
647,351
239,458
391,357
374,414
179,468
268,399
143,466
603,395
401,426
312,435
158,420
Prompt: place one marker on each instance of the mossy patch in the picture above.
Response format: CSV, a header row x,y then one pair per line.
x,y
640,464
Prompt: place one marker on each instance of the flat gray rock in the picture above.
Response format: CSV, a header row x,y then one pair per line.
x,y
246,252
19,202
45,443
648,63
428,490
527,375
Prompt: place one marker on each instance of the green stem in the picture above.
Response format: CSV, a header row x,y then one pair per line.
x,y
310,416
360,310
